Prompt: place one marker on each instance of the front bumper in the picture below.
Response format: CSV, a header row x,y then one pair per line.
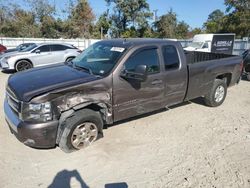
x,y
3,64
40,135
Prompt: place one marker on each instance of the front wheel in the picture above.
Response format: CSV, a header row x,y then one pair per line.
x,y
81,130
217,94
23,65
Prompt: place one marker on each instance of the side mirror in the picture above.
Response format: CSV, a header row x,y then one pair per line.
x,y
140,73
37,51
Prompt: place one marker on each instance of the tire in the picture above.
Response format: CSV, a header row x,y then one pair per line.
x,y
23,65
69,59
76,134
217,94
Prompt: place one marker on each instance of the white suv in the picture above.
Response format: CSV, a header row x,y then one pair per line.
x,y
39,55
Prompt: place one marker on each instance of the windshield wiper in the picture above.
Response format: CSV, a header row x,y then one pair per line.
x,y
84,68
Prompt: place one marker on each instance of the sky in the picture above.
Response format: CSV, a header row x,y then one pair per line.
x,y
193,12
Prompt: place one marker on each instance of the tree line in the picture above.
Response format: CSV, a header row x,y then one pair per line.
x,y
130,18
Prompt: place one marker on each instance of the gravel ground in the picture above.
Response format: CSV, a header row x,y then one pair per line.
x,y
189,145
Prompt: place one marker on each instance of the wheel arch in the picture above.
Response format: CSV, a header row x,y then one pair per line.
x,y
98,107
69,57
26,59
227,77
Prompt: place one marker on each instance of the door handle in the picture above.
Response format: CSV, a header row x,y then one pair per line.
x,y
157,82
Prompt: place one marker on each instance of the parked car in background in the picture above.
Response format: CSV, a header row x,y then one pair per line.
x,y
246,60
2,48
216,43
38,55
19,48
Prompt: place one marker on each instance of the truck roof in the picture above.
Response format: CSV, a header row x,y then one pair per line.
x,y
129,42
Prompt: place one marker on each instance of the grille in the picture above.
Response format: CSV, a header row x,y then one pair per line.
x,y
14,103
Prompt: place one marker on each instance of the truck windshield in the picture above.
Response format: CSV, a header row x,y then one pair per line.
x,y
99,59
196,44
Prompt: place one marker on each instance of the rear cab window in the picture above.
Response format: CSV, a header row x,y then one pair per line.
x,y
171,57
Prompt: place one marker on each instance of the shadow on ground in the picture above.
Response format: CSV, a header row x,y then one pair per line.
x,y
63,178
8,71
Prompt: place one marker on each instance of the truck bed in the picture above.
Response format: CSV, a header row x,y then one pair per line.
x,y
203,69
197,57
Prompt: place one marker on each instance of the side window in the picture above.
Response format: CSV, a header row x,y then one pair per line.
x,y
171,58
58,47
147,57
205,45
44,48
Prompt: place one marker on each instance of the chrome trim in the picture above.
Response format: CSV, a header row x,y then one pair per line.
x,y
8,90
14,104
13,98
11,117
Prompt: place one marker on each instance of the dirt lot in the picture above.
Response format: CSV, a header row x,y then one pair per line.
x,y
187,146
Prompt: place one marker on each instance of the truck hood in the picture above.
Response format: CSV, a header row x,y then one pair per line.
x,y
29,84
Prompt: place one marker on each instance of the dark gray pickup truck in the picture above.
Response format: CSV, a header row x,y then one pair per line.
x,y
67,105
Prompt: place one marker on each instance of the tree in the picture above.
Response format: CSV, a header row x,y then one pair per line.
x,y
214,23
181,31
18,23
128,15
49,27
81,19
166,25
41,9
195,31
239,5
238,17
103,24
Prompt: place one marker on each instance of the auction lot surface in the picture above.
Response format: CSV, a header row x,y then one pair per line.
x,y
187,146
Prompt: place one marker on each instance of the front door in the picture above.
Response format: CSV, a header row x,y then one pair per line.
x,y
131,97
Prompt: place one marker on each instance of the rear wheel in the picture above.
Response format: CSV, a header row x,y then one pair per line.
x,y
81,130
23,65
217,94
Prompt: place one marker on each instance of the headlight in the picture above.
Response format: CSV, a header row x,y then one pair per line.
x,y
37,112
4,63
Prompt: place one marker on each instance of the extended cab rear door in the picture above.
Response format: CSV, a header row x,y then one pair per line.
x,y
175,73
131,97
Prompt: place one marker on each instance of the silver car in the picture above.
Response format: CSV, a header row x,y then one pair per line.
x,y
39,55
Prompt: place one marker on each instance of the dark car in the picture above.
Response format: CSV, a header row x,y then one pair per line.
x,y
2,48
69,104
19,47
246,59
